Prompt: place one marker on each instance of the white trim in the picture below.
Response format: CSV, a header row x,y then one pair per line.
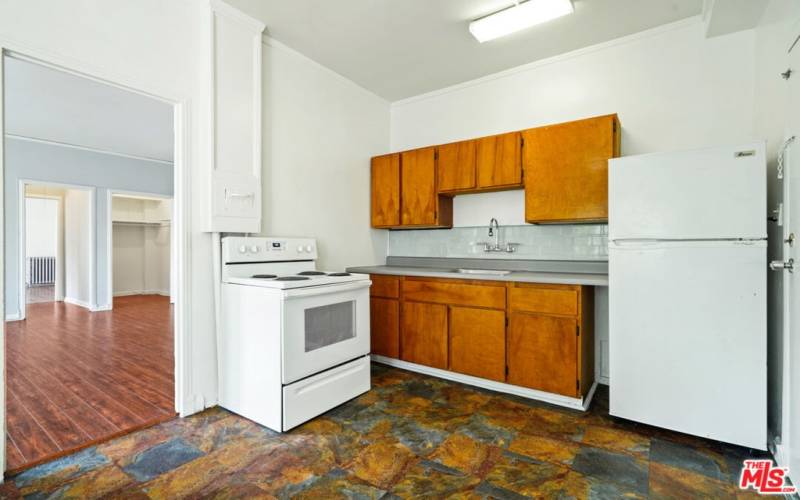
x,y
186,401
547,397
85,148
665,28
237,15
603,380
76,302
13,317
130,293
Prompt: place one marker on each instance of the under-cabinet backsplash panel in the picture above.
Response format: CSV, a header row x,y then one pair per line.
x,y
545,242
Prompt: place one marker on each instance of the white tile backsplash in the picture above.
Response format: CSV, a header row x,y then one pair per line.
x,y
544,242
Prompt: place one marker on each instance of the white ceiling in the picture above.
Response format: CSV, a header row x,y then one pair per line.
x,y
47,104
402,48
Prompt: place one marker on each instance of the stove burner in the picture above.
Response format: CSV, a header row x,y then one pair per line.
x,y
264,276
311,273
339,274
292,278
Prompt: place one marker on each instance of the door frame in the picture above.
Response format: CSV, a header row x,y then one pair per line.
x,y
110,239
185,403
21,243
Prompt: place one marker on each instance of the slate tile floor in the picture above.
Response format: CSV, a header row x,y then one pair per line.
x,y
411,436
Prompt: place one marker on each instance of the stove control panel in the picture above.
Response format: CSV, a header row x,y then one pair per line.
x,y
257,249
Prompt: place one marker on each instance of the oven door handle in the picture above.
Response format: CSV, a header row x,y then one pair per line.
x,y
326,290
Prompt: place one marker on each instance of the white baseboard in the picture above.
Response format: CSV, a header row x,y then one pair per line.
x,y
547,397
76,302
106,307
603,380
129,293
14,316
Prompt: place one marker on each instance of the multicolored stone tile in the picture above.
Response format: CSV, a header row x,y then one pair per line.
x,y
616,440
616,468
382,463
432,479
411,436
544,449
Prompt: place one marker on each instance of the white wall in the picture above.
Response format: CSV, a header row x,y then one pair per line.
x,y
41,227
320,131
45,103
672,88
78,219
161,47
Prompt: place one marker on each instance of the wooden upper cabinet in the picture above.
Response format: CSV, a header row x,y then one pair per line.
x,y
456,166
499,161
566,170
420,203
478,342
424,334
386,190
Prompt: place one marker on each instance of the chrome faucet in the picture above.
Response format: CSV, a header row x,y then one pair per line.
x,y
494,231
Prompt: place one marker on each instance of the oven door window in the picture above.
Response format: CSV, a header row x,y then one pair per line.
x,y
330,324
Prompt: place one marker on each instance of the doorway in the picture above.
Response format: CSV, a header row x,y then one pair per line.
x,y
84,363
42,247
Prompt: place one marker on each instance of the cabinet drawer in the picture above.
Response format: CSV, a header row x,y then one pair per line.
x,y
455,293
384,286
547,300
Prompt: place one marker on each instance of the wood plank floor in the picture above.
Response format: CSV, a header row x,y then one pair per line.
x,y
75,377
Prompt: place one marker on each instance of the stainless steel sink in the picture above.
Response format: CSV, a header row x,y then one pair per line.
x,y
494,272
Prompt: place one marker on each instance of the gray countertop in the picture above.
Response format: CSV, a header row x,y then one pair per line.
x,y
560,273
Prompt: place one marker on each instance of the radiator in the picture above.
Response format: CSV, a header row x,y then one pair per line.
x,y
41,271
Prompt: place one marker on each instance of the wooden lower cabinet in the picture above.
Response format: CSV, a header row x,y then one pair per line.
x,y
543,353
478,342
424,334
385,327
538,336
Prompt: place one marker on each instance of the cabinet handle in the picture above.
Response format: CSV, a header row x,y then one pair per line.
x,y
229,195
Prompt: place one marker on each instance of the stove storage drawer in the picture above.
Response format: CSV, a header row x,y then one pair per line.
x,y
313,396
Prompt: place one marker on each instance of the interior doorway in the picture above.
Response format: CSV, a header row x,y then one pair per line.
x,y
85,361
42,247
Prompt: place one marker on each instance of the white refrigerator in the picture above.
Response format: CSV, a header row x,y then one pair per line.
x,y
688,292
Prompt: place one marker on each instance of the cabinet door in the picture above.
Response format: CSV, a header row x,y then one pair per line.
x,y
566,170
424,334
386,191
478,342
385,327
419,197
456,166
543,353
499,161
236,122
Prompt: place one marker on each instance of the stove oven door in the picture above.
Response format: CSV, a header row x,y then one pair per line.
x,y
324,327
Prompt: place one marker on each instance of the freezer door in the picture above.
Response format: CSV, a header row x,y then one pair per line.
x,y
688,338
704,194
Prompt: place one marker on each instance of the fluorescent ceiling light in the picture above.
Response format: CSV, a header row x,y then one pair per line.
x,y
518,17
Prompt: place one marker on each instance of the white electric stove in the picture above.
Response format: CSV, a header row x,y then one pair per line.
x,y
295,340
